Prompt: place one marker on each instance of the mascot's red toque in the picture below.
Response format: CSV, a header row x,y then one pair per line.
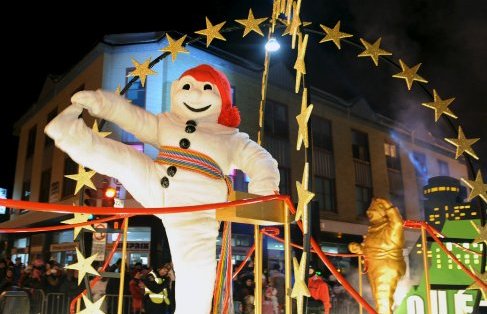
x,y
229,115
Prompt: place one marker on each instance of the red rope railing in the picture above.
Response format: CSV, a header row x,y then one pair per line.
x,y
62,227
414,224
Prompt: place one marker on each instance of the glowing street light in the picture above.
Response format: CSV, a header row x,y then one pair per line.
x,y
272,45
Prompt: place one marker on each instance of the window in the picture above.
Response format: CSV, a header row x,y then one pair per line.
x,y
276,120
25,191
45,184
136,92
391,151
324,189
321,133
134,234
240,180
398,201
443,168
284,183
363,196
240,240
419,163
31,141
234,96
63,237
51,115
70,167
360,145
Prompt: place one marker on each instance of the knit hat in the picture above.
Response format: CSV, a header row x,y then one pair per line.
x,y
229,115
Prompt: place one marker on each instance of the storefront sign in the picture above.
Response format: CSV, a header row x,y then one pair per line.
x,y
99,242
36,249
136,246
62,247
118,203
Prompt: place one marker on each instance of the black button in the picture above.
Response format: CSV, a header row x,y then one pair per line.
x,y
171,171
190,129
191,122
184,143
165,182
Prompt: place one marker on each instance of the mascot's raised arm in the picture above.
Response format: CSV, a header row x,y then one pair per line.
x,y
198,145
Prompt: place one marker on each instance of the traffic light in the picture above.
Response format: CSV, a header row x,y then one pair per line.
x,y
90,197
108,199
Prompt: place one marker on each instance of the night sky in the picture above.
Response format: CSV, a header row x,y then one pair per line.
x,y
449,38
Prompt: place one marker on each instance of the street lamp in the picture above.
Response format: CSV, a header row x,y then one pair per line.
x,y
272,45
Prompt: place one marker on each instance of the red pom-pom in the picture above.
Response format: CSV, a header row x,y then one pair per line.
x,y
229,117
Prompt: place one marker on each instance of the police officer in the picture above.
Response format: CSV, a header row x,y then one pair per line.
x,y
156,297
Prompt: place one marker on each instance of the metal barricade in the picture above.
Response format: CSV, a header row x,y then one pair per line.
x,y
14,302
57,303
111,303
37,298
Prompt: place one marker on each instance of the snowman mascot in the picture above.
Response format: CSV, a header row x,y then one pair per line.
x,y
198,144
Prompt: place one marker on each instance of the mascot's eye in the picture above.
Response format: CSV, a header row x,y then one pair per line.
x,y
207,86
186,86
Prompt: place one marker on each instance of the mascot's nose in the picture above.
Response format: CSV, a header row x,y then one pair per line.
x,y
193,94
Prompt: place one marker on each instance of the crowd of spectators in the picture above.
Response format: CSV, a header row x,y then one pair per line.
x,y
51,278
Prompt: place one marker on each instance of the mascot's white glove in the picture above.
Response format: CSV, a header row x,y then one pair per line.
x,y
115,108
90,100
57,130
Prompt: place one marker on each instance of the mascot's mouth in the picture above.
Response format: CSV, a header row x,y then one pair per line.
x,y
196,109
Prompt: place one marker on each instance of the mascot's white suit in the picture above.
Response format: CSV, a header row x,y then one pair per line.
x,y
198,132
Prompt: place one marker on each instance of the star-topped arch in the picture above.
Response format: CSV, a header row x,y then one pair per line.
x,y
211,32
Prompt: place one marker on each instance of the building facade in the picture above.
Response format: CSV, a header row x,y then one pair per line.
x,y
356,153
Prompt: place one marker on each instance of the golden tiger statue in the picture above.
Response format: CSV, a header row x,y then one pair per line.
x,y
383,252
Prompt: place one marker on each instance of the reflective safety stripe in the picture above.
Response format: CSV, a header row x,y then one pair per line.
x,y
160,297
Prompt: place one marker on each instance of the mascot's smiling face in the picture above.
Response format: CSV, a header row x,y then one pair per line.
x,y
195,100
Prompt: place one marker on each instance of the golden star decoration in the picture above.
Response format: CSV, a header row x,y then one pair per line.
x,y
211,32
476,286
482,231
299,65
304,196
174,47
292,27
82,178
251,24
300,289
334,34
78,218
96,130
287,30
373,50
409,74
303,119
92,308
463,144
276,9
478,187
440,106
142,70
83,266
